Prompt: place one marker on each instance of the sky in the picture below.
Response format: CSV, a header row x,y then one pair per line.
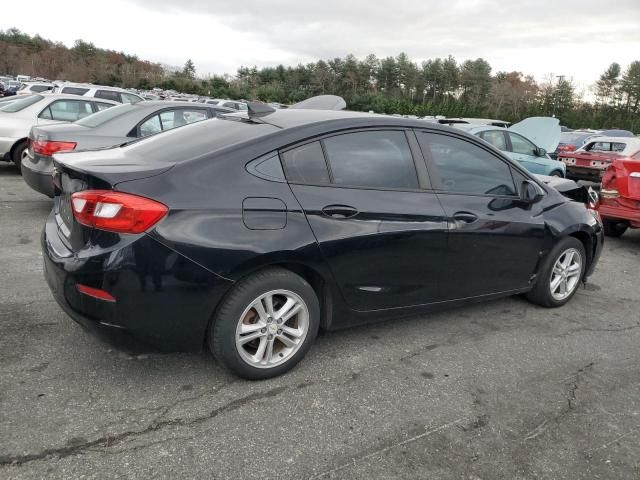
x,y
544,38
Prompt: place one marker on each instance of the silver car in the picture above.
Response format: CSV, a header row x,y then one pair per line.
x,y
17,118
115,126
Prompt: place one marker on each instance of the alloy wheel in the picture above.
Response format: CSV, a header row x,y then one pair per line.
x,y
272,328
566,274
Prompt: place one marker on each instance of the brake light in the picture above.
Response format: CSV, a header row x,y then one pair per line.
x,y
95,293
116,211
47,148
566,148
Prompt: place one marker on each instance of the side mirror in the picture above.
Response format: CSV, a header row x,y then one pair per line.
x,y
530,192
540,152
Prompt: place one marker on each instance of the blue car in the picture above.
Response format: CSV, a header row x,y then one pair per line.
x,y
526,142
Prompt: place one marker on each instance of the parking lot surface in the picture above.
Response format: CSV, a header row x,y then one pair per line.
x,y
502,390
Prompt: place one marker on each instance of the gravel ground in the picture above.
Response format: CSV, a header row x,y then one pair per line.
x,y
503,390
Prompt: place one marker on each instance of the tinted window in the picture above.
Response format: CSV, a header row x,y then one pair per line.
x,y
21,104
466,168
269,168
67,110
521,145
495,138
306,164
109,95
40,88
371,159
75,90
606,147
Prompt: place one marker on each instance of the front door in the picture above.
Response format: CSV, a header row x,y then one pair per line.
x,y
494,239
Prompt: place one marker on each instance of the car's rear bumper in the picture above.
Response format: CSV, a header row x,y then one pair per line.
x,y
162,299
37,174
624,209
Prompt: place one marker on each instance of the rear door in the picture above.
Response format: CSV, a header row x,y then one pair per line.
x,y
379,225
494,240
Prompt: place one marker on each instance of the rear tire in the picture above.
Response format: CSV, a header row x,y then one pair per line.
x,y
614,228
18,154
254,332
556,173
564,267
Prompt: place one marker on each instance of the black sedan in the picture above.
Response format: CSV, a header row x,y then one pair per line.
x,y
115,126
247,235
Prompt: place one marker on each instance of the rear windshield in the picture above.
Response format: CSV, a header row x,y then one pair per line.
x,y
21,104
573,138
605,147
104,116
195,140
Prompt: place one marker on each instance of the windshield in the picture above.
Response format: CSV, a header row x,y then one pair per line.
x,y
573,138
21,104
104,116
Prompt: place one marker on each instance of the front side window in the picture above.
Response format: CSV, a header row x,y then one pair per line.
x,y
495,138
463,167
375,159
67,110
306,164
606,147
521,145
109,95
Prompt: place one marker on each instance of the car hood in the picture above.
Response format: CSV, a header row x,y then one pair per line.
x,y
543,131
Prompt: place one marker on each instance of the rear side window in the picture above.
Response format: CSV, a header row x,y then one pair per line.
x,y
376,159
306,164
67,110
109,95
463,167
102,106
129,98
74,90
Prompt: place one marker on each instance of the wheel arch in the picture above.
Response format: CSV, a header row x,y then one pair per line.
x,y
15,146
589,247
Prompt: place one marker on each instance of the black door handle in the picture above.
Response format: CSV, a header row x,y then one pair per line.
x,y
340,211
465,217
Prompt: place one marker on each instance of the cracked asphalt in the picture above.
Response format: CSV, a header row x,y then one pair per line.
x,y
502,390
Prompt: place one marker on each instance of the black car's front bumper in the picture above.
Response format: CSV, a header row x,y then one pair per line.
x,y
162,299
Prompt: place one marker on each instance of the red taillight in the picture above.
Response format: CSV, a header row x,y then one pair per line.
x,y
95,293
116,211
566,148
47,148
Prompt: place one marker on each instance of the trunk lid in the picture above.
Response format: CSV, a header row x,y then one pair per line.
x,y
624,176
543,131
99,170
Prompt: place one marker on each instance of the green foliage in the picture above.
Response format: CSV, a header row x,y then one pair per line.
x,y
392,85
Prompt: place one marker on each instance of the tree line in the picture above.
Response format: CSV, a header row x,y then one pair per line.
x,y
394,85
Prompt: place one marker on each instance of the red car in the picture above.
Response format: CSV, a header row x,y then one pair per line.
x,y
591,160
619,204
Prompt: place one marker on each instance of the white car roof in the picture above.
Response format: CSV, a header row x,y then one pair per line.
x,y
632,144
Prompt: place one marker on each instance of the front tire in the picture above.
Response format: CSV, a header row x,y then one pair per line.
x,y
556,173
614,228
560,275
266,324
